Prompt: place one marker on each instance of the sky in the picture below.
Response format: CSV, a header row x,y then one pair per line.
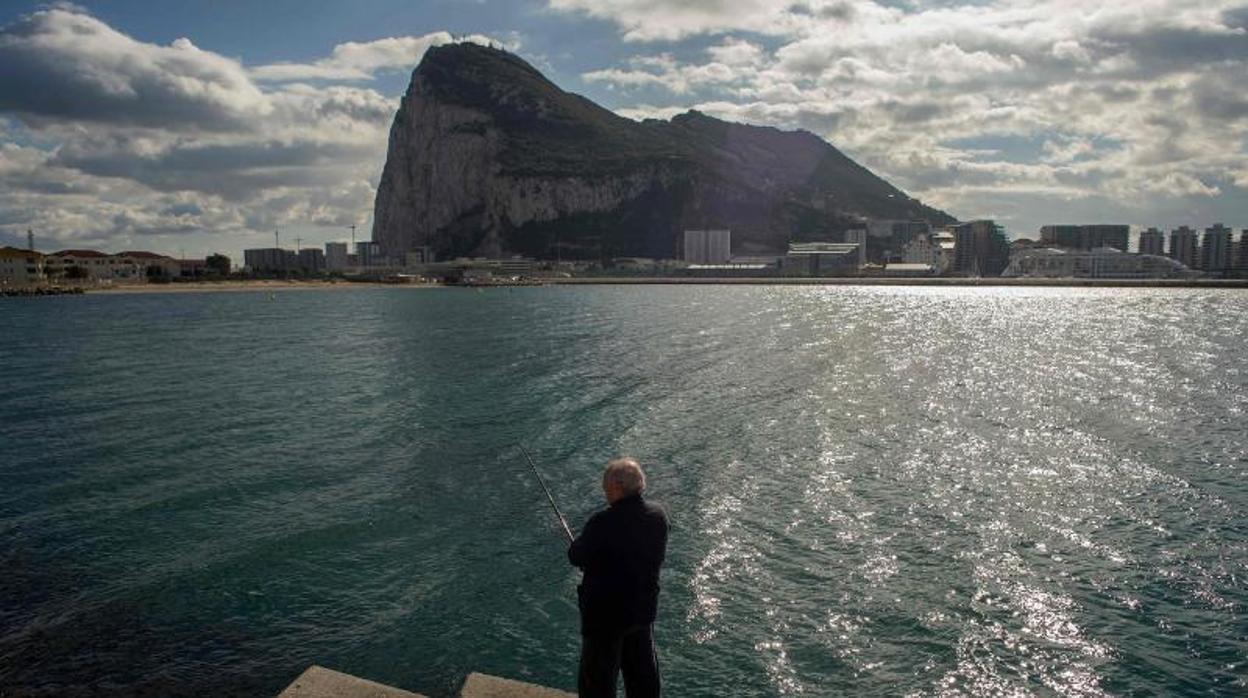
x,y
203,126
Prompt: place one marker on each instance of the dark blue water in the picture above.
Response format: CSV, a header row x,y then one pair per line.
x,y
875,491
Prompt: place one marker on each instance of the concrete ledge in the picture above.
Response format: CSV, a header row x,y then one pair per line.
x,y
319,682
486,686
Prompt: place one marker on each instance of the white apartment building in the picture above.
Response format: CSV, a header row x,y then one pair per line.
x,y
20,267
934,249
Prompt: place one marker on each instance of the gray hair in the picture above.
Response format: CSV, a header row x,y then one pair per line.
x,y
625,473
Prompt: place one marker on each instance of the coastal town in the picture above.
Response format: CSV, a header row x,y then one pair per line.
x,y
879,249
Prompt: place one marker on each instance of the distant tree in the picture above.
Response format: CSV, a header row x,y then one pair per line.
x,y
218,264
76,272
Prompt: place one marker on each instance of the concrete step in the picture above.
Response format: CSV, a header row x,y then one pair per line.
x,y
319,682
486,686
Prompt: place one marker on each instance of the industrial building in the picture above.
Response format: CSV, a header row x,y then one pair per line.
x,y
821,258
708,246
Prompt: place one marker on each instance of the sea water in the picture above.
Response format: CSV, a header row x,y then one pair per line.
x,y
873,490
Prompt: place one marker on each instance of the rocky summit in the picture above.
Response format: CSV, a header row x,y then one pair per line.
x,y
488,157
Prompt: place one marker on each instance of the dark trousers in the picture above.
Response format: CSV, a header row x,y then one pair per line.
x,y
604,654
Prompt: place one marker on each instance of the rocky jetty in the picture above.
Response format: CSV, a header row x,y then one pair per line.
x,y
488,157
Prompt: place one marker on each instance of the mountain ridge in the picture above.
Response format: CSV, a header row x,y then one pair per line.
x,y
489,157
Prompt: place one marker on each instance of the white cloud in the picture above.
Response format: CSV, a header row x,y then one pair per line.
x,y
56,64
115,142
362,60
649,20
1123,103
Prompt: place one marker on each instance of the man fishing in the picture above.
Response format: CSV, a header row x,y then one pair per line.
x,y
620,551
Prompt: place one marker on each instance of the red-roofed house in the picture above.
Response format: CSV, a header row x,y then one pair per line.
x,y
150,264
100,266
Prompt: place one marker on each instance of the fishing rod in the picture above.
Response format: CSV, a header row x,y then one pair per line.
x,y
550,497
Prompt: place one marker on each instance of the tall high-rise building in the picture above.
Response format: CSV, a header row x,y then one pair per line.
x,y
1152,241
1183,246
368,254
980,248
708,246
336,255
1240,264
1086,237
1215,248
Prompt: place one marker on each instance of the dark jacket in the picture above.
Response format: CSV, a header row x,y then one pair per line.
x,y
620,551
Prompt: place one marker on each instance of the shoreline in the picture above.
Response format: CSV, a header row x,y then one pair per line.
x,y
906,281
245,286
261,285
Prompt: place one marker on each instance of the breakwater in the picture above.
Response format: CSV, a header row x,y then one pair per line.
x,y
33,291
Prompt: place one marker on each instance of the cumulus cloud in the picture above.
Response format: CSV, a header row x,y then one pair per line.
x,y
1112,102
362,60
106,140
648,20
58,64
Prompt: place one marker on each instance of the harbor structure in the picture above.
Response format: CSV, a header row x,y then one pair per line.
x,y
1152,241
980,248
708,246
20,267
1183,246
1215,249
1086,236
910,269
1101,263
820,258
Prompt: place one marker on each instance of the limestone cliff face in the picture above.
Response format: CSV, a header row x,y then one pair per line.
x,y
487,157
